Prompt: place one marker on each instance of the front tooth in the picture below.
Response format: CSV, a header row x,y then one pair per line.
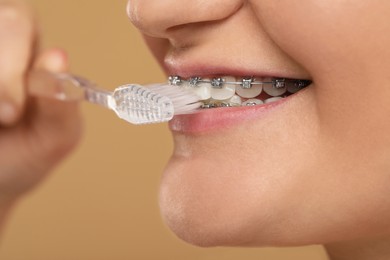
x,y
252,102
227,91
273,91
271,100
252,92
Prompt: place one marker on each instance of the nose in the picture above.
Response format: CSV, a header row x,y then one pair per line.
x,y
156,17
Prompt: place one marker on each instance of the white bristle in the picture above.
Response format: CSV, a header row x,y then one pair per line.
x,y
184,101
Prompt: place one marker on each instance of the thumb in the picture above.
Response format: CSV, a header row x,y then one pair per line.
x,y
57,124
53,60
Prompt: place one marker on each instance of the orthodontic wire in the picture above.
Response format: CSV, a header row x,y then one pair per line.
x,y
245,83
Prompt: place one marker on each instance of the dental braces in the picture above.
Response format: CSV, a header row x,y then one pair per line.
x,y
245,83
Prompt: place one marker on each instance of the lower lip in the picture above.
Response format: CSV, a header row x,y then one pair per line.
x,y
216,119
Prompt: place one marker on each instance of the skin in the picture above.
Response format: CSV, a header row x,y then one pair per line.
x,y
35,133
315,175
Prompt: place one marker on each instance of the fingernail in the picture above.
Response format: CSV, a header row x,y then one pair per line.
x,y
7,112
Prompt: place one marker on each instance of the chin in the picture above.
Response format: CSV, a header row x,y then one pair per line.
x,y
206,210
216,202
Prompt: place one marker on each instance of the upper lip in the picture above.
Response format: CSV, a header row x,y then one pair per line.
x,y
204,69
186,67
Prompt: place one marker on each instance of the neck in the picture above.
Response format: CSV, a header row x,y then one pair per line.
x,y
375,249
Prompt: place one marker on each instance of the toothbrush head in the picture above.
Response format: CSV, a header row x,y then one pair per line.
x,y
154,104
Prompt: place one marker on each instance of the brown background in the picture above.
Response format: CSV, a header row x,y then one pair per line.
x,y
101,203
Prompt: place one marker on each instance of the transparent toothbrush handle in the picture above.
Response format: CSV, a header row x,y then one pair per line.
x,y
66,87
132,103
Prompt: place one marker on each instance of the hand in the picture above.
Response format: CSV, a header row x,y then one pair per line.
x,y
35,133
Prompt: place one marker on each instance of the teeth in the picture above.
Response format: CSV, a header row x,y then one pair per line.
x,y
231,92
271,100
234,101
225,92
273,91
253,102
201,89
252,92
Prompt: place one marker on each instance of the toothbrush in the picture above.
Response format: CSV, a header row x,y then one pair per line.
x,y
133,103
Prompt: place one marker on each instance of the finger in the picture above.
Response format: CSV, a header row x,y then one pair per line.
x,y
53,60
57,123
17,32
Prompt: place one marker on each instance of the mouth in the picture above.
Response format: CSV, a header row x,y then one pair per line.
x,y
228,91
228,100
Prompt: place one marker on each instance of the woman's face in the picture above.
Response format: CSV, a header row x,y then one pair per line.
x,y
314,168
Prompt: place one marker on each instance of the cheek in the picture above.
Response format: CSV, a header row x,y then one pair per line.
x,y
332,40
344,47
